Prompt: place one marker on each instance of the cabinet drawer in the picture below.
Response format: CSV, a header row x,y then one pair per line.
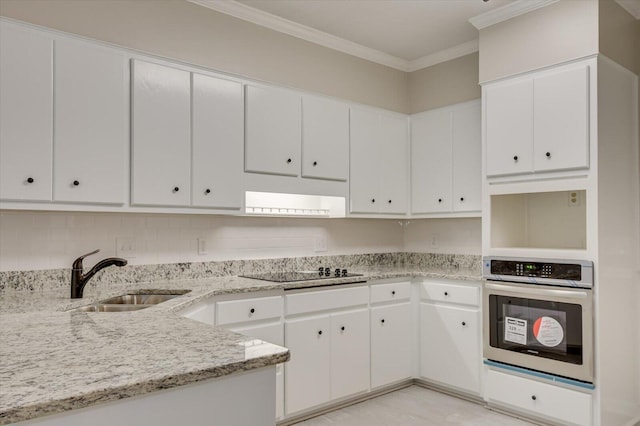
x,y
539,399
451,293
326,299
249,309
390,292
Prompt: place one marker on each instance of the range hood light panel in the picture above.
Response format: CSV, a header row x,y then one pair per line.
x,y
276,204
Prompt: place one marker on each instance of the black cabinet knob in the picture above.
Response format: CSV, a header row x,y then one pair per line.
x,y
548,154
252,310
389,201
319,332
393,292
464,323
176,189
288,160
533,397
515,158
342,328
439,200
373,200
446,293
76,183
382,320
30,180
461,198
315,163
207,191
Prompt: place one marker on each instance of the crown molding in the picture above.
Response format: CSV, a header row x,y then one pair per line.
x,y
631,6
444,55
268,20
508,11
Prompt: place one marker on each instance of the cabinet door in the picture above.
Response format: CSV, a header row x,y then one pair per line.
x,y
272,141
90,129
161,120
307,374
349,353
450,346
390,344
393,163
364,158
431,162
561,120
467,154
26,114
325,139
217,120
509,128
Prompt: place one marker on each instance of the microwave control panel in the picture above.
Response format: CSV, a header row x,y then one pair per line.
x,y
539,271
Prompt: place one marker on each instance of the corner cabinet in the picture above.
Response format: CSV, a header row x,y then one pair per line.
x,y
187,138
446,149
379,159
539,122
67,148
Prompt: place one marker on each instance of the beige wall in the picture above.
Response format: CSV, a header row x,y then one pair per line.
x,y
619,34
444,84
556,33
180,30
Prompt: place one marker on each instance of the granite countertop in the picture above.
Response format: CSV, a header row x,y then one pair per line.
x,y
53,361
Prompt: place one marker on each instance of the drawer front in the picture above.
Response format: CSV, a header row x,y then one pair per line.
x,y
390,292
245,310
539,399
451,293
326,299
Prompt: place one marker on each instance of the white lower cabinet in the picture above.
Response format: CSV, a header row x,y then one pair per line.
x,y
542,400
450,335
390,344
349,353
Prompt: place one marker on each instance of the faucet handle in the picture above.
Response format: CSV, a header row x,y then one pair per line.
x,y
77,264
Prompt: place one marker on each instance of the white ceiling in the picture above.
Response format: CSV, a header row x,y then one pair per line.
x,y
404,34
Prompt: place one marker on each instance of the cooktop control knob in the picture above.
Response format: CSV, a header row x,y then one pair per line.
x,y
344,272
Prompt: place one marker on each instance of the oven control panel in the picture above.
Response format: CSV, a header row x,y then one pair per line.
x,y
539,271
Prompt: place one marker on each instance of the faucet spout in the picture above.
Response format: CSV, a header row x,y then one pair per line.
x,y
79,279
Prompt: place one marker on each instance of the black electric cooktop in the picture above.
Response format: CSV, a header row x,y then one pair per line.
x,y
290,276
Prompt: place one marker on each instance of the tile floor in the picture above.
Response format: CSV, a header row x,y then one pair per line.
x,y
414,406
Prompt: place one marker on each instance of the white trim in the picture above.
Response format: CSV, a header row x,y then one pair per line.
x,y
508,11
444,55
631,6
276,23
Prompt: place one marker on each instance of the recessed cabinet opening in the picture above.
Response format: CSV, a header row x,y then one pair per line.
x,y
555,220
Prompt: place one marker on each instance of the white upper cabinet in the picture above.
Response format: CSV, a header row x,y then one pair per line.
x,y
378,160
561,120
445,159
273,126
161,145
538,122
90,128
509,127
217,142
26,114
325,139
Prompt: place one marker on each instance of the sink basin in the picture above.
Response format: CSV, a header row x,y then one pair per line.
x,y
130,302
101,307
141,299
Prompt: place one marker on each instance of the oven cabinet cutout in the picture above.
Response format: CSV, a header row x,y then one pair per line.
x,y
391,333
537,399
327,332
450,344
551,220
539,122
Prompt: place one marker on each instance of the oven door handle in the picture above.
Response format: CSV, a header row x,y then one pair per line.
x,y
574,294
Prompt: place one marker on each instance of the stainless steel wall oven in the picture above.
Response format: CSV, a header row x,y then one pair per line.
x,y
538,314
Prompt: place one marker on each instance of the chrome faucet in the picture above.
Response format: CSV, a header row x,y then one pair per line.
x,y
79,280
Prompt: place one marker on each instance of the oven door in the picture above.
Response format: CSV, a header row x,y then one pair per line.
x,y
548,329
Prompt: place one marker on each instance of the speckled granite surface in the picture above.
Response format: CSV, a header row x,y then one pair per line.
x,y
53,361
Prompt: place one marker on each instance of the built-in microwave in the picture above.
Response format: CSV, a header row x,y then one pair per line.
x,y
538,314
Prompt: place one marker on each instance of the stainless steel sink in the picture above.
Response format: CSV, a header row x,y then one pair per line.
x,y
131,301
